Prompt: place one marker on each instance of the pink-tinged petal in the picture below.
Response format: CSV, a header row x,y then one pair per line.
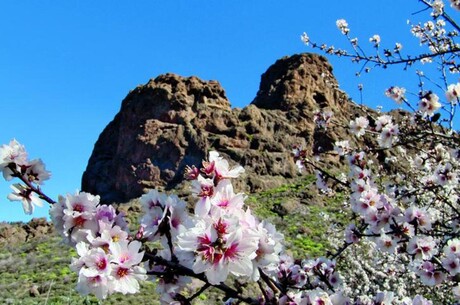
x,y
241,267
202,207
217,274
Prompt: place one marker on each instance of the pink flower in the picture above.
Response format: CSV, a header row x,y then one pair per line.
x,y
419,216
428,275
125,271
222,168
225,198
220,248
423,247
452,247
452,264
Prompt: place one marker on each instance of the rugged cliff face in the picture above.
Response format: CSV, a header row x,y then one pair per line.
x,y
173,121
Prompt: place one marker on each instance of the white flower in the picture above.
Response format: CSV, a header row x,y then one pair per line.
x,y
388,135
36,171
358,126
384,298
318,297
78,216
452,93
342,25
421,216
420,300
204,189
342,147
12,153
438,7
382,121
26,196
269,249
452,264
126,254
452,247
428,275
108,235
387,243
375,39
429,104
396,94
89,282
57,214
152,200
305,39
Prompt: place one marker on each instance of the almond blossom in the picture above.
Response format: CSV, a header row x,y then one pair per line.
x,y
220,249
13,153
26,196
452,93
428,104
358,126
396,94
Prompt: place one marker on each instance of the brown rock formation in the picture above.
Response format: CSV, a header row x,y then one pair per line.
x,y
22,232
173,121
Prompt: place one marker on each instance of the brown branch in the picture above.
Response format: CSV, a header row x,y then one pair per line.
x,y
33,188
179,269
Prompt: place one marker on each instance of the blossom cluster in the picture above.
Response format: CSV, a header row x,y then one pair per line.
x,y
401,187
109,260
220,238
413,214
14,163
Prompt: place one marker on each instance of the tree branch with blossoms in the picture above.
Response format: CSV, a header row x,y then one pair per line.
x,y
402,191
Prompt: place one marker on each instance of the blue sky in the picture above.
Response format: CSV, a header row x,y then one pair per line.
x,y
65,66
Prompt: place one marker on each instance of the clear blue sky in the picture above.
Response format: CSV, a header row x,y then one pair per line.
x,y
65,66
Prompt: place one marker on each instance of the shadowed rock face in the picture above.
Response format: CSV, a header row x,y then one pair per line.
x,y
173,121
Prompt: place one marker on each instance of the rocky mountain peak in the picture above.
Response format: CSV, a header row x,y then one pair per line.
x,y
296,82
174,121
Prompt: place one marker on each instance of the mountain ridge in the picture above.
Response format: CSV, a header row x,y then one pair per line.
x,y
174,121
